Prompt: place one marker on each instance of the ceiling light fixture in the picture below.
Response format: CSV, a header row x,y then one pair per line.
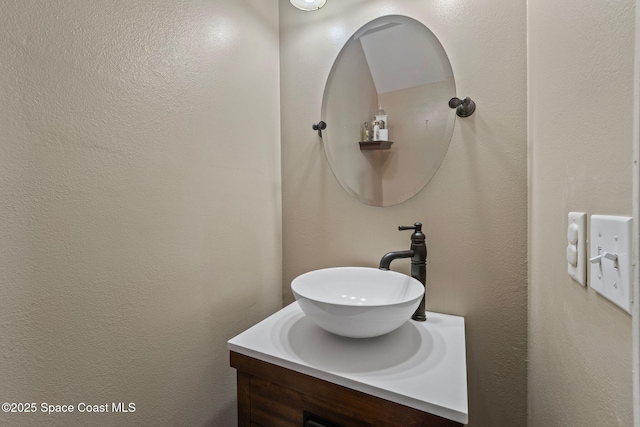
x,y
308,5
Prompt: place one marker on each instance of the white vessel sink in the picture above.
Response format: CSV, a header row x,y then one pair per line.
x,y
357,302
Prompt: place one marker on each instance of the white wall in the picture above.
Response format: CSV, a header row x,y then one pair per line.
x,y
474,209
140,213
580,136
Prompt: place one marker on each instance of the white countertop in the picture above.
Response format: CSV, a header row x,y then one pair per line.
x,y
421,365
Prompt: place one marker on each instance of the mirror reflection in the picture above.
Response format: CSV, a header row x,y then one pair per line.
x,y
386,109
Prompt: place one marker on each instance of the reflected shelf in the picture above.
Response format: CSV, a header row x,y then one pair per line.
x,y
375,145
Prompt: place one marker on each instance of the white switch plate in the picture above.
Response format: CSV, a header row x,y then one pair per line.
x,y
578,272
610,256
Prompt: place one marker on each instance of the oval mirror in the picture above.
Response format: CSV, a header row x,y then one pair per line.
x,y
393,73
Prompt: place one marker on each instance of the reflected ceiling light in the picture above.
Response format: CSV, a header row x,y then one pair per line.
x,y
308,5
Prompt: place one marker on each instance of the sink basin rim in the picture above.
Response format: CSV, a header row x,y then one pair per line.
x,y
330,303
384,281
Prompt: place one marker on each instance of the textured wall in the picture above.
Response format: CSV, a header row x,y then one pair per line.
x,y
138,140
475,207
580,121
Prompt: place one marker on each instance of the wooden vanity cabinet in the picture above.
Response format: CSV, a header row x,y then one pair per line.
x,y
273,396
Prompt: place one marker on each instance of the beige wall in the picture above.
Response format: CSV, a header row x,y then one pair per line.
x,y
475,207
580,132
419,147
140,213
138,138
355,85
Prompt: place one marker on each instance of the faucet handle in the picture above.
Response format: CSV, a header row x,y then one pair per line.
x,y
417,226
417,236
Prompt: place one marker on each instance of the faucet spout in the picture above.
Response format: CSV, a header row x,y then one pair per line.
x,y
385,262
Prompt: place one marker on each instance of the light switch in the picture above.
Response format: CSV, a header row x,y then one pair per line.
x,y
572,256
610,248
577,247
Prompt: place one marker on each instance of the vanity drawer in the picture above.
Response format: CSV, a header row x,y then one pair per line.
x,y
272,396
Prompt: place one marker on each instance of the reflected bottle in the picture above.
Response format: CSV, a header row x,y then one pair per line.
x,y
382,134
366,132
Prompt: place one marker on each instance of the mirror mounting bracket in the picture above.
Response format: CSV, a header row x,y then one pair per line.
x,y
320,126
464,107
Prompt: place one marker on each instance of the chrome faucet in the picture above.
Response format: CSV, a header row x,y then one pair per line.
x,y
418,255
